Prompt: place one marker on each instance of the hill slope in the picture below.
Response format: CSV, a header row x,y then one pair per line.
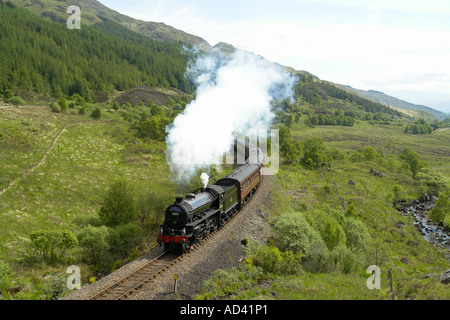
x,y
93,11
392,101
45,57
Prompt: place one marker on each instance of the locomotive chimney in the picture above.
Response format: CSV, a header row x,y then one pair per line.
x,y
178,199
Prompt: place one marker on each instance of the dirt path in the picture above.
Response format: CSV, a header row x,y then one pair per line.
x,y
40,162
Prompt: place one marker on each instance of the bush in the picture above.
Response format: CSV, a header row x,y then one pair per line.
x,y
431,182
52,245
55,107
63,104
442,208
399,192
118,205
94,241
344,259
318,257
328,227
413,160
358,237
8,94
271,260
5,271
294,232
16,101
124,238
55,287
97,113
150,210
314,152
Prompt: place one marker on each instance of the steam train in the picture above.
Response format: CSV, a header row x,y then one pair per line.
x,y
189,220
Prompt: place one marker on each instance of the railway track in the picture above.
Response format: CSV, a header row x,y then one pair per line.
x,y
135,280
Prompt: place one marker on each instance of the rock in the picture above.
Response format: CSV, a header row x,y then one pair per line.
x,y
445,277
404,260
351,182
376,173
12,290
429,275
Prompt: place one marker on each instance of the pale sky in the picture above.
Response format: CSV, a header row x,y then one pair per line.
x,y
401,48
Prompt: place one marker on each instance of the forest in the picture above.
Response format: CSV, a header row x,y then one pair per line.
x,y
45,57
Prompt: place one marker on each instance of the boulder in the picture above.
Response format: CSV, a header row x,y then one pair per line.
x,y
445,277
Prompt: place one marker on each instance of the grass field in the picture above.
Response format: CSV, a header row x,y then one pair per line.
x,y
84,161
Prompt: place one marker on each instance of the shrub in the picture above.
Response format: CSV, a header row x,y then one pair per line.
x,y
124,238
94,241
318,257
115,106
441,208
399,192
96,113
55,287
5,271
351,211
16,101
55,107
118,205
150,210
413,159
8,94
52,245
328,227
83,109
358,237
344,259
431,182
314,152
267,257
294,232
63,104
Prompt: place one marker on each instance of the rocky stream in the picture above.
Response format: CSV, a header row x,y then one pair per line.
x,y
418,210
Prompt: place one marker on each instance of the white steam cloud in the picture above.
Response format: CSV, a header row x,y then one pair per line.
x,y
205,178
233,96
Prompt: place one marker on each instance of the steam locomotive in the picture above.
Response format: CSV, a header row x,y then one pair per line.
x,y
189,220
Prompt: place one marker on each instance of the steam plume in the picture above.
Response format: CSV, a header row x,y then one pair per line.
x,y
233,95
205,179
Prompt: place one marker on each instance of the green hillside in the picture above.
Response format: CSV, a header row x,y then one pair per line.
x,y
48,58
94,12
383,98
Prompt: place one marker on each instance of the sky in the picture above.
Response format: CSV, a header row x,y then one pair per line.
x,y
401,48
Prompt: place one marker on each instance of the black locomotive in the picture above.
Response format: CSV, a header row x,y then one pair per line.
x,y
190,220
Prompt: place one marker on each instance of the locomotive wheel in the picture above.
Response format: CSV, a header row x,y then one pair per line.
x,y
187,247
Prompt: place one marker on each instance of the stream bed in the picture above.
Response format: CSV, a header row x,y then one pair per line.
x,y
431,231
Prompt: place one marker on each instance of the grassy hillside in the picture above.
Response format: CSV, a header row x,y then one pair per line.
x,y
420,110
395,244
